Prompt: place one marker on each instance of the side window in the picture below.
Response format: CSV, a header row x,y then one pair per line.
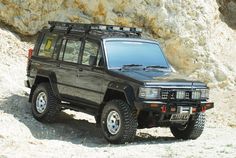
x,y
90,53
71,50
47,46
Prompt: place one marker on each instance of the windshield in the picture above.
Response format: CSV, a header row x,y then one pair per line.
x,y
121,53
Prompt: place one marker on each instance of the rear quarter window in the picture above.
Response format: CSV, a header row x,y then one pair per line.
x,y
47,46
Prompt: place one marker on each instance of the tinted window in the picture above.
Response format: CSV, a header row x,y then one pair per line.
x,y
90,51
71,51
47,46
121,53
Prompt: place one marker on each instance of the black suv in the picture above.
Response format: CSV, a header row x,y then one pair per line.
x,y
113,74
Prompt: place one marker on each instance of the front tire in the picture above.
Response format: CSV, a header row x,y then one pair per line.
x,y
192,130
118,122
44,104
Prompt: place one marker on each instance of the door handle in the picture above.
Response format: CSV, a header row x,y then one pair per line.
x,y
80,69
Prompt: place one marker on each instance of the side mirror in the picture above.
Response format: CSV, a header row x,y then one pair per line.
x,y
92,60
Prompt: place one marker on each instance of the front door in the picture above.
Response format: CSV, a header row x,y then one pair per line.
x,y
91,73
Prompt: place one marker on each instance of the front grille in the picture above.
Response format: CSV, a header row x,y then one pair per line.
x,y
187,95
168,94
172,94
164,94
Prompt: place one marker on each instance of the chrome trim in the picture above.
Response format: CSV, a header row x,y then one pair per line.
x,y
153,102
175,87
205,102
177,84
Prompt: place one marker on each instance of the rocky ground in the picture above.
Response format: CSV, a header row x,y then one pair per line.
x,y
75,134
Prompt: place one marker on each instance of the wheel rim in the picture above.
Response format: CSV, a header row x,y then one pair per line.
x,y
113,122
41,102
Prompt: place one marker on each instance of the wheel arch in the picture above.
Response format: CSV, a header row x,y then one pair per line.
x,y
45,77
120,91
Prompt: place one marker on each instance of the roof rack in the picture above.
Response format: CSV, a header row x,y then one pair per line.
x,y
90,27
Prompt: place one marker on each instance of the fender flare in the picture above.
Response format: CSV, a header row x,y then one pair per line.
x,y
43,76
126,89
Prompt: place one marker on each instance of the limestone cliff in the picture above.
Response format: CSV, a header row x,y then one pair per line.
x,y
197,35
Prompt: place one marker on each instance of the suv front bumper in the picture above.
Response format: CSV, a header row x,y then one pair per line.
x,y
176,107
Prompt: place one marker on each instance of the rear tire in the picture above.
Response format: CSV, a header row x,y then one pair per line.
x,y
118,122
44,104
192,130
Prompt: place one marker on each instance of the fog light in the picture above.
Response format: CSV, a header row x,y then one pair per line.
x,y
194,109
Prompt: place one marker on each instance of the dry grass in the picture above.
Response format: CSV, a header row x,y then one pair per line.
x,y
148,22
12,6
74,18
122,21
82,6
121,6
100,13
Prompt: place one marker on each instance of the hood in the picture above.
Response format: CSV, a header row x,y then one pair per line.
x,y
160,78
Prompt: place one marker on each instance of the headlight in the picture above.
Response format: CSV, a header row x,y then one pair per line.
x,y
204,93
149,93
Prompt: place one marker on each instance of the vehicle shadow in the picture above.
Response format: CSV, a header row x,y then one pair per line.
x,y
67,128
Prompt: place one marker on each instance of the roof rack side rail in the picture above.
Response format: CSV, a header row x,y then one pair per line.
x,y
98,27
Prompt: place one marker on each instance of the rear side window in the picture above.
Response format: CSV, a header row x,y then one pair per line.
x,y
47,46
71,50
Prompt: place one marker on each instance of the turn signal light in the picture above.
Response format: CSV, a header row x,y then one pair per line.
x,y
154,105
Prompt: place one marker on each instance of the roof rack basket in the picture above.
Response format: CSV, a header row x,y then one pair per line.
x,y
90,27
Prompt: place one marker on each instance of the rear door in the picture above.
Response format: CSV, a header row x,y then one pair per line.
x,y
67,73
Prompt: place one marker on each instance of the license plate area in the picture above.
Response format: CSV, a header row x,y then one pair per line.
x,y
180,117
184,110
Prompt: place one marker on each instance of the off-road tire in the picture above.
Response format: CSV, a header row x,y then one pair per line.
x,y
193,129
128,122
52,108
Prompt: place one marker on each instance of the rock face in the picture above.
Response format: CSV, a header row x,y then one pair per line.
x,y
196,40
228,10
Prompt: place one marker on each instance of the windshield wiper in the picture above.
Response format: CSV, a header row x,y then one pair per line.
x,y
132,65
156,66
